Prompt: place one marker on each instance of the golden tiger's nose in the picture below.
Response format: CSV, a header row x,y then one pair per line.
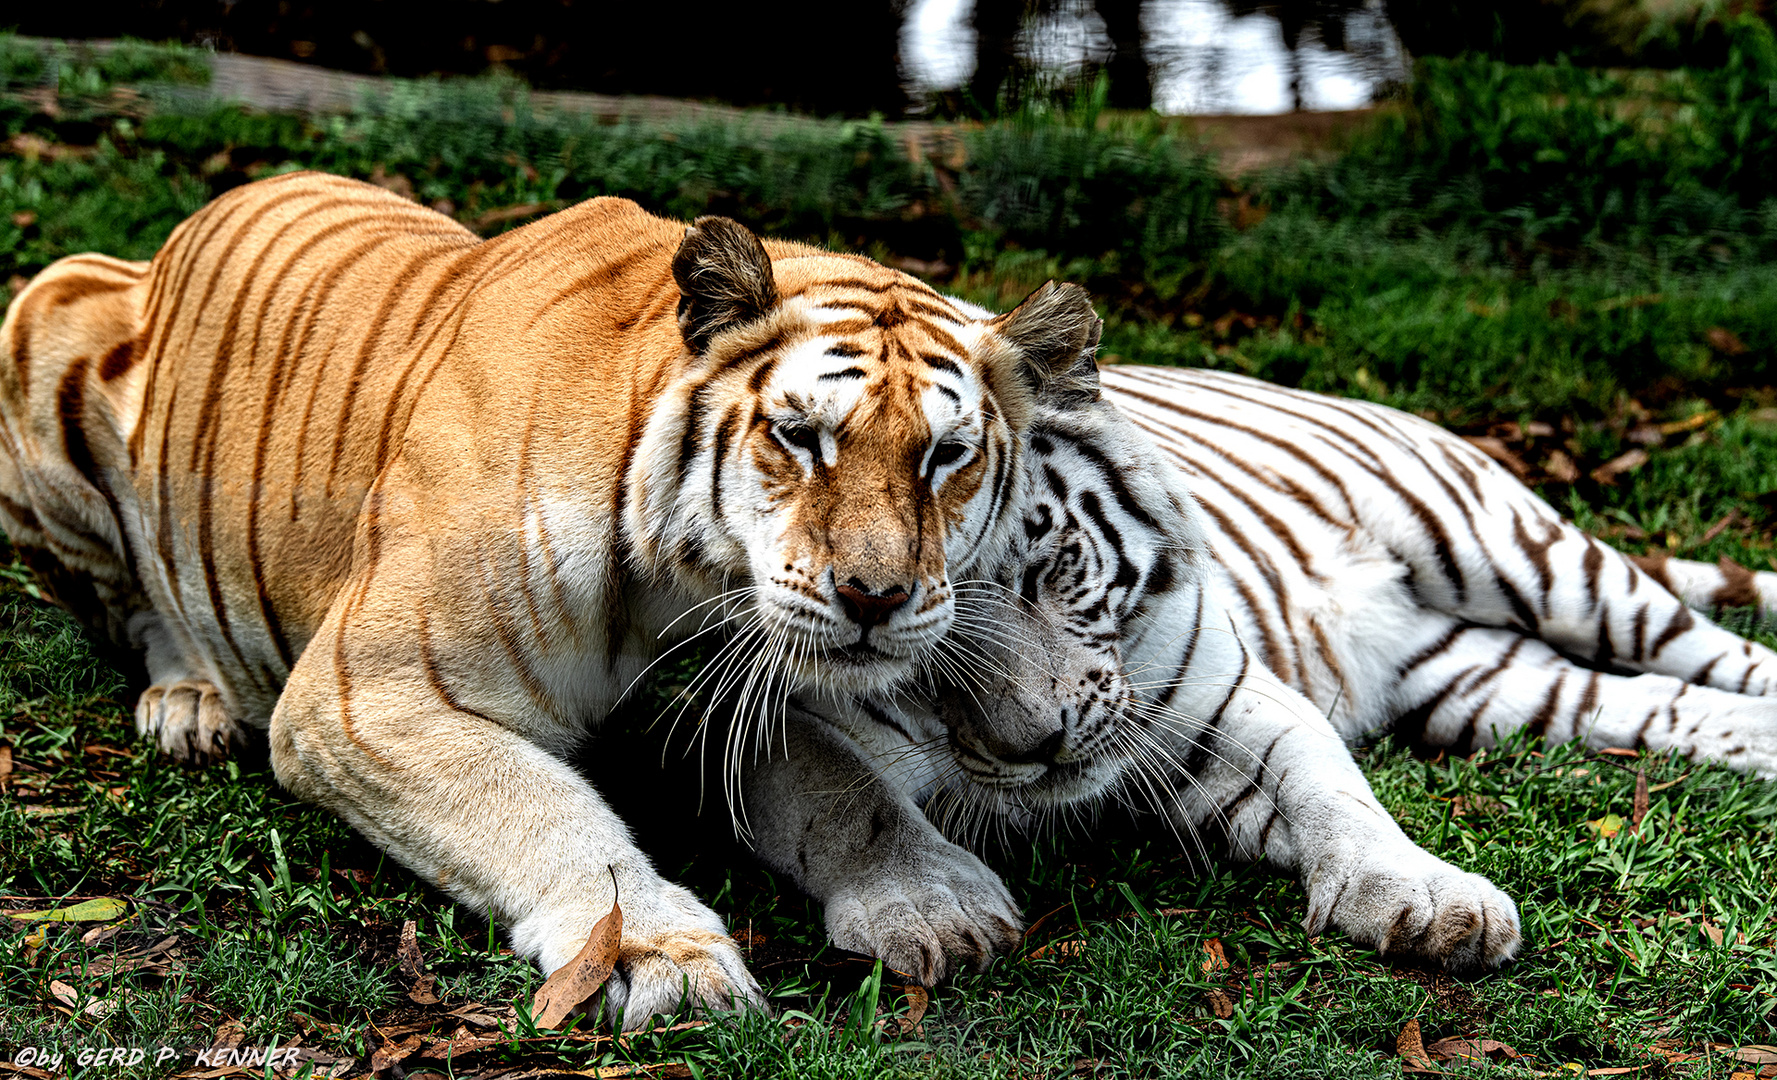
x,y
869,609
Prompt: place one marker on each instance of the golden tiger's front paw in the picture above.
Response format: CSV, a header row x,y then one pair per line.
x,y
188,721
682,969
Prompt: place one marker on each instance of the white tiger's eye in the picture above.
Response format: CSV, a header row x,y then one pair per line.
x,y
947,452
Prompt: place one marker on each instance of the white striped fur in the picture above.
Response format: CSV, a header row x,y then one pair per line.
x,y
1281,570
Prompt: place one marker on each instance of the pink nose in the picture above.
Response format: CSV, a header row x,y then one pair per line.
x,y
869,609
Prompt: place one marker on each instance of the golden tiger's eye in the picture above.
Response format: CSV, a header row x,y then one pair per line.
x,y
798,435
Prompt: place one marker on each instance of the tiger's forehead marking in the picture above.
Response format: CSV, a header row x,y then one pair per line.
x,y
876,334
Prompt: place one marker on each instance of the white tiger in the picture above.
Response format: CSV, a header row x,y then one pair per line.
x,y
1223,579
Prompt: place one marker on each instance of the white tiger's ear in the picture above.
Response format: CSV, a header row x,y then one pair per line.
x,y
1057,331
724,277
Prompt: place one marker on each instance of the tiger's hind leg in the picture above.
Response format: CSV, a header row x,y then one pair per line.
x,y
1473,686
1710,586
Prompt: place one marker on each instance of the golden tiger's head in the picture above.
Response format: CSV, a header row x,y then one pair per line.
x,y
841,444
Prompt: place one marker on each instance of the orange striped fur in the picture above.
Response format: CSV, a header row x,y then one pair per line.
x,y
425,506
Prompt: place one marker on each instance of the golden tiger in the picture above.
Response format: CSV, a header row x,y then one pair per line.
x,y
424,506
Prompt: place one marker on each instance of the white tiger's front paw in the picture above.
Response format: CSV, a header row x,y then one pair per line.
x,y
188,721
1415,904
937,910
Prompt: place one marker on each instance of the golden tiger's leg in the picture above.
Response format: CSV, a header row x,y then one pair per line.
x,y
397,726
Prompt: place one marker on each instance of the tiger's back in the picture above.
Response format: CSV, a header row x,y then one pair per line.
x,y
202,430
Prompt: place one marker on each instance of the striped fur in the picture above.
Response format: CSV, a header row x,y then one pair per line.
x,y
425,506
1274,572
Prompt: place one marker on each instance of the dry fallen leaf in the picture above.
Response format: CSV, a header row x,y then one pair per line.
x,y
1713,933
414,966
392,1052
1608,472
1497,450
1751,1054
64,993
1724,341
1410,1045
1060,950
1640,810
1219,1004
1469,1050
1215,959
1561,467
917,1000
574,984
5,765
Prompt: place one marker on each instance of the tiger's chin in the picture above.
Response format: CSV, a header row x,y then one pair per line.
x,y
856,668
1065,784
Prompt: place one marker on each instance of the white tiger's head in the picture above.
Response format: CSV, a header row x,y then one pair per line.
x,y
1047,716
841,443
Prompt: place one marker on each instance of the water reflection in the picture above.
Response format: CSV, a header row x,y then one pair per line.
x,y
1207,56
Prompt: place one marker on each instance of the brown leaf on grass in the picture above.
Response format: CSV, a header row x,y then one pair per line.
x,y
1215,959
504,214
461,1042
1219,1004
413,965
574,984
230,1035
408,952
1500,452
1751,1054
917,1000
1713,933
1060,950
1640,810
5,765
1469,1050
393,1052
64,993
394,182
1724,341
1608,472
1410,1045
1730,518
1561,467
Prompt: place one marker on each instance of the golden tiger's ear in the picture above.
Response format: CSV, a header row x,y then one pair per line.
x,y
1057,331
724,277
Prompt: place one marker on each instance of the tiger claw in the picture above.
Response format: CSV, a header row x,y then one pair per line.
x,y
188,721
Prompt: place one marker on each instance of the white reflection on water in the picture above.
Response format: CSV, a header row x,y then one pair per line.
x,y
1206,60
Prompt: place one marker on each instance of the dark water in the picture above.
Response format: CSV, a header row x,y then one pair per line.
x,y
1208,56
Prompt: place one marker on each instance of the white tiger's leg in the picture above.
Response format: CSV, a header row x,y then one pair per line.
x,y
836,817
1709,586
1595,603
1257,760
1474,686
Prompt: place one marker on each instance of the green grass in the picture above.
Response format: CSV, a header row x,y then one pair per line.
x,y
1619,295
287,924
